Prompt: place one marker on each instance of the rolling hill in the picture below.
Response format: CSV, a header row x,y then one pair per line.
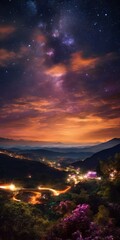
x,y
12,168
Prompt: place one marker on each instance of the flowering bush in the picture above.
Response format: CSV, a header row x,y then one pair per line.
x,y
79,226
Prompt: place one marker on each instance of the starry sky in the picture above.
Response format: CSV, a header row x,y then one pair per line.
x,y
59,70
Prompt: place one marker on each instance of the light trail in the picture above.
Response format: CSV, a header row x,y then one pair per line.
x,y
37,192
33,199
36,199
16,199
55,192
10,187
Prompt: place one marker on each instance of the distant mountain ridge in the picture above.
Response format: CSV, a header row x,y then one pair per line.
x,y
10,143
105,145
54,155
93,161
63,155
7,142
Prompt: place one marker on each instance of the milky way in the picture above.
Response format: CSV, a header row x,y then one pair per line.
x,y
59,70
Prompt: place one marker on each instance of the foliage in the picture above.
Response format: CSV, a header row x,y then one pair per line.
x,y
102,217
108,167
18,221
79,226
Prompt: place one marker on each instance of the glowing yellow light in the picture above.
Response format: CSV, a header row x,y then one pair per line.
x,y
98,178
81,178
12,187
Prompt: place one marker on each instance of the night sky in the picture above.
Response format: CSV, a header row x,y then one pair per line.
x,y
59,70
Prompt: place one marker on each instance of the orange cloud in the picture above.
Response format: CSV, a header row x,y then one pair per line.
x,y
84,120
5,31
57,70
23,51
40,38
78,62
7,56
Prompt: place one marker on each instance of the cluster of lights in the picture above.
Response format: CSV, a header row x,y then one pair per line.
x,y
52,164
76,178
13,155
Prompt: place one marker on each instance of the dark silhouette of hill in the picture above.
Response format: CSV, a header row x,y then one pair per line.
x,y
93,161
19,169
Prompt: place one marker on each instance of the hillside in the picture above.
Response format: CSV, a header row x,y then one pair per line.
x,y
93,161
12,168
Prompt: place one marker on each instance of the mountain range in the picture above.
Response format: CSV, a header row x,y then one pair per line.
x,y
85,157
55,152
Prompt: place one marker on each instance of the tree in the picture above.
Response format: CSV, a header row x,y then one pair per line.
x,y
102,217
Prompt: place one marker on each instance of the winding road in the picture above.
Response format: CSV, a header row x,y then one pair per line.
x,y
36,192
